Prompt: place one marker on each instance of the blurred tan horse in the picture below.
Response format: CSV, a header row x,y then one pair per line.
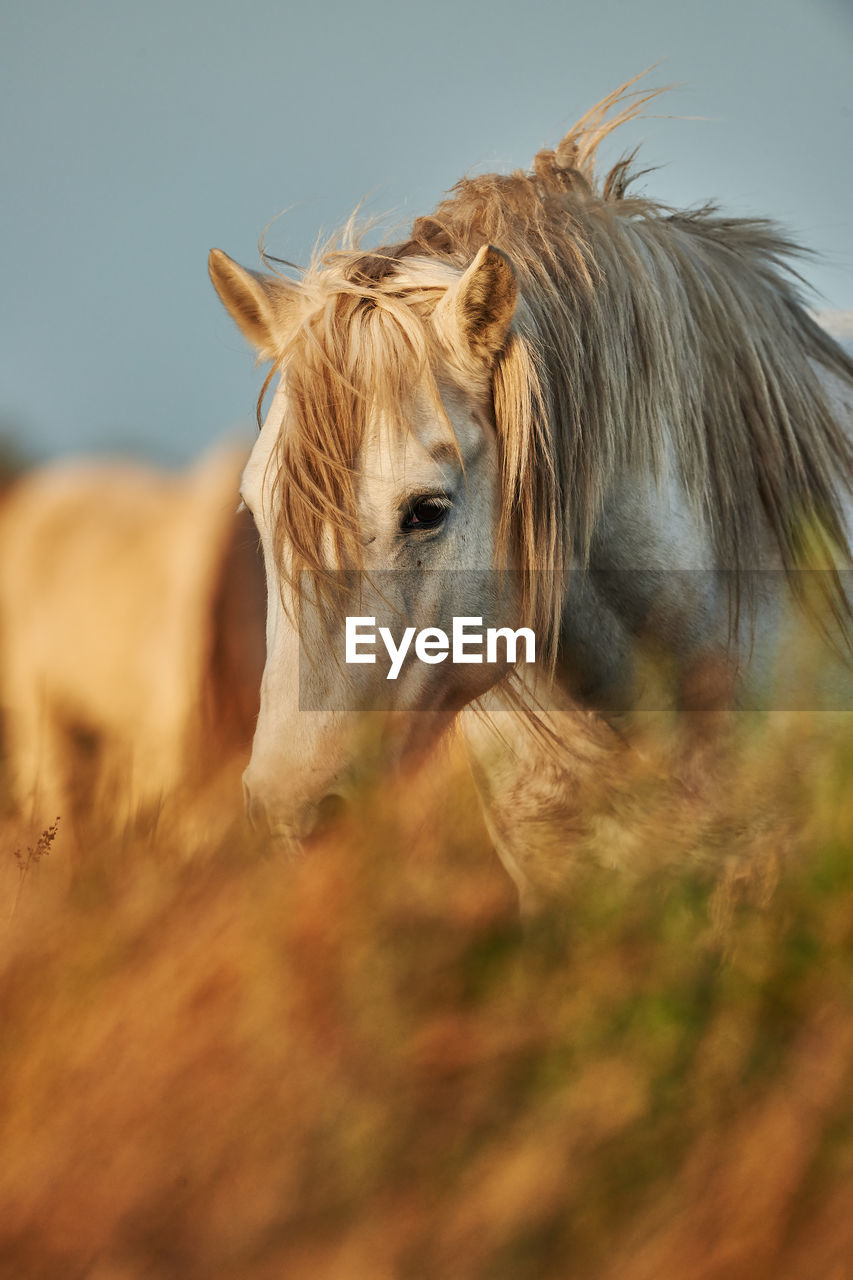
x,y
131,626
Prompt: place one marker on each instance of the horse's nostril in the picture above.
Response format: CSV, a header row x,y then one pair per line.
x,y
316,820
330,811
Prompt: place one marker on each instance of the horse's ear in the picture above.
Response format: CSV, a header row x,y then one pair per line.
x,y
478,310
259,304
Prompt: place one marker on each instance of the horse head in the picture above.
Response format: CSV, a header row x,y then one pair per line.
x,y
375,485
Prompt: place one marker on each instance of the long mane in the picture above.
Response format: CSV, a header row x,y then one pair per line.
x,y
641,330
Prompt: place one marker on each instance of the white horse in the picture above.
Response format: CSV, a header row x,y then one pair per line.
x,y
557,404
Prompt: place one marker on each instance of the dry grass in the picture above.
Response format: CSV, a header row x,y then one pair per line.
x,y
216,1065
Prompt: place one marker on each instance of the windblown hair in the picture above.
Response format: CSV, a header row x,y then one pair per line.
x,y
639,328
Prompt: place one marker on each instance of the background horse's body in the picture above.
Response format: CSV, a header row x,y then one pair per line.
x,y
626,407
116,590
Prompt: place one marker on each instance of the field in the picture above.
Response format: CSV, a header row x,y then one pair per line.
x,y
215,1063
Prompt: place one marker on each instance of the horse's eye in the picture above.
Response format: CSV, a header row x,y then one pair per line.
x,y
425,513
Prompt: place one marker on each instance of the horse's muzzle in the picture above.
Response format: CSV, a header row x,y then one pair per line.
x,y
315,821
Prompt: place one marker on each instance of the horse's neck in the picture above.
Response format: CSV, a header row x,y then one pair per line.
x,y
839,324
655,583
652,576
840,396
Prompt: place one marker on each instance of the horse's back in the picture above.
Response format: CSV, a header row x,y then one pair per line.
x,y
94,565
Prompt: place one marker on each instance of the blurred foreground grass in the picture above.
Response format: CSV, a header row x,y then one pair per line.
x,y
213,1064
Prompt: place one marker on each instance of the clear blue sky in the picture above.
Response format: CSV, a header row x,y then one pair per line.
x,y
136,136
